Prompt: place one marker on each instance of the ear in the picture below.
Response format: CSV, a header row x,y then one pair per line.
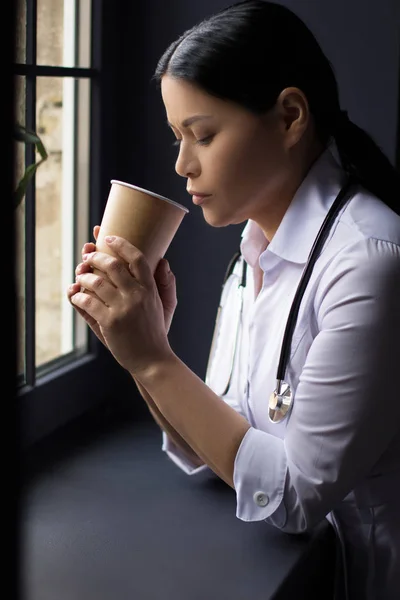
x,y
294,114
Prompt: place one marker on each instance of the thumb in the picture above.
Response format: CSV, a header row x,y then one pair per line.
x,y
165,281
162,272
96,230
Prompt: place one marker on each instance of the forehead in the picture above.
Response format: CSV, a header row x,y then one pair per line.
x,y
182,99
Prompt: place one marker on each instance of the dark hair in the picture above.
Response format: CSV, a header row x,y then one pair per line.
x,y
252,50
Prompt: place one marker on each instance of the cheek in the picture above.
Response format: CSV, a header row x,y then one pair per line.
x,y
252,168
229,162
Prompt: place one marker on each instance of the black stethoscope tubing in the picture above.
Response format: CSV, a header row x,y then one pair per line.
x,y
343,196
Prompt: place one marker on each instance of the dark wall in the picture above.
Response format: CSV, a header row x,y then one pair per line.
x,y
360,38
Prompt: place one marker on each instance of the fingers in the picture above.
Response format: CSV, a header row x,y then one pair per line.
x,y
77,287
97,284
83,267
71,291
115,270
138,265
119,272
88,247
93,309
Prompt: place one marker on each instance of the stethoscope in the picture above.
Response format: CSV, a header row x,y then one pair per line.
x,y
281,399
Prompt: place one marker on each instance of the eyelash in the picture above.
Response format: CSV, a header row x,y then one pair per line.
x,y
203,142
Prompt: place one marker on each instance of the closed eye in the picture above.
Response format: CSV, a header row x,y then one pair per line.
x,y
203,142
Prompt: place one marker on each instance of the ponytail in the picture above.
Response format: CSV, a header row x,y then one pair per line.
x,y
362,158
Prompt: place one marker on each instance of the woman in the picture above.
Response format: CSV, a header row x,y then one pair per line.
x,y
253,104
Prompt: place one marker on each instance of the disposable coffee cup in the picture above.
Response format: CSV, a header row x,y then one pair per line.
x,y
146,219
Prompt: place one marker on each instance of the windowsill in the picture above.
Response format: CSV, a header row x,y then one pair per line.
x,y
106,515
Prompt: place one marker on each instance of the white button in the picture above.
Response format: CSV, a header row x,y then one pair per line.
x,y
261,499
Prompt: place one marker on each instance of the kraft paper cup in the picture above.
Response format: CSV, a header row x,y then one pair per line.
x,y
147,220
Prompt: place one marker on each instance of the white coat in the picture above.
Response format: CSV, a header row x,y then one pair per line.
x,y
338,454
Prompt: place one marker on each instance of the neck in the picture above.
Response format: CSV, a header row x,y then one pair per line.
x,y
270,220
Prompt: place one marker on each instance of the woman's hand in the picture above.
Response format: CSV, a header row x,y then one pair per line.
x,y
164,281
164,277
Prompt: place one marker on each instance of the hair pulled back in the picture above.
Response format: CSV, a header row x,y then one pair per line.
x,y
249,52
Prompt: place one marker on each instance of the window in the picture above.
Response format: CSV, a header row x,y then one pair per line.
x,y
57,81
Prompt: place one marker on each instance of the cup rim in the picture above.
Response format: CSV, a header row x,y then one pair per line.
x,y
135,187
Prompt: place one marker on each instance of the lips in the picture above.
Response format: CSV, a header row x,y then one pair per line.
x,y
199,198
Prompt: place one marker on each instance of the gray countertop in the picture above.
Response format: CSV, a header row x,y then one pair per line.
x,y
105,515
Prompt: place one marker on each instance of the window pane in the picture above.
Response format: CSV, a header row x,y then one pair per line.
x,y
19,169
64,33
61,184
20,34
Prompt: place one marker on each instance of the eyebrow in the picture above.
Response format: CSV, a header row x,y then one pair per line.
x,y
190,120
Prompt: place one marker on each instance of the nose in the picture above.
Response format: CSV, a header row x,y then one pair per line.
x,y
187,164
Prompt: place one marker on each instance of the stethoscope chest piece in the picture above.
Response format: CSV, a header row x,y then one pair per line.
x,y
280,402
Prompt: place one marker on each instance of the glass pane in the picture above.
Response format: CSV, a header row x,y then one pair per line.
x,y
61,182
19,169
85,33
20,34
81,217
64,33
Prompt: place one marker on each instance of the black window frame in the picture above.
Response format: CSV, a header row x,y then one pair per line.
x,y
68,387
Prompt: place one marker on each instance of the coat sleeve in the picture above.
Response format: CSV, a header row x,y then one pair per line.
x,y
346,407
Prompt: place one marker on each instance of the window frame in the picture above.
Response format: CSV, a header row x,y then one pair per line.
x,y
76,382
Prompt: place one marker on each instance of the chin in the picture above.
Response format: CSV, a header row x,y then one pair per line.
x,y
220,220
216,220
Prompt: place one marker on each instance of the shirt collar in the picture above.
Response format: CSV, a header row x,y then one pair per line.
x,y
302,220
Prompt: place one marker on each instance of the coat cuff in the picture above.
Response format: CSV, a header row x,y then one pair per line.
x,y
259,478
179,458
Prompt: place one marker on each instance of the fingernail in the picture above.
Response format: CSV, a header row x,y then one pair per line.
x,y
85,256
167,267
109,239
